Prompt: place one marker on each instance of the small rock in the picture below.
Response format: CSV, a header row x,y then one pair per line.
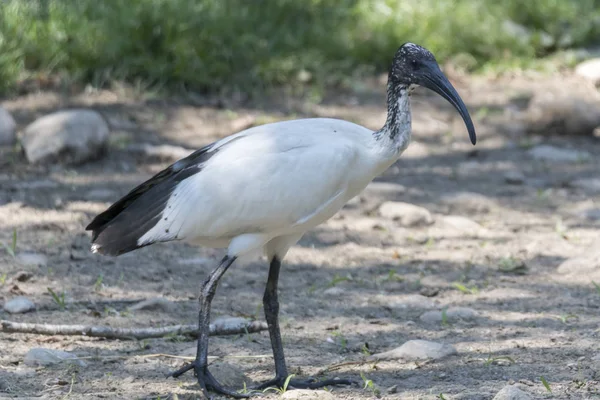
x,y
392,389
333,291
101,195
154,304
22,276
511,393
72,136
452,314
305,394
164,152
413,301
229,375
417,350
19,305
514,177
32,259
460,223
559,112
554,154
468,202
592,214
406,214
582,269
590,70
590,185
8,128
44,357
385,189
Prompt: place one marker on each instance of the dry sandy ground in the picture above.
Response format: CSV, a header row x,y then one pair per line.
x,y
357,284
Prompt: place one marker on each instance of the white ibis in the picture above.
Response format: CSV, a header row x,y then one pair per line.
x,y
262,189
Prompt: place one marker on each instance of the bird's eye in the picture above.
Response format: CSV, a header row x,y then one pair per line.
x,y
414,63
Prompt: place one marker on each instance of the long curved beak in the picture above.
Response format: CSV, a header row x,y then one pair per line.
x,y
433,78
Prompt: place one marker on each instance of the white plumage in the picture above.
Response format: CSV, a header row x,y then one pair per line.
x,y
263,188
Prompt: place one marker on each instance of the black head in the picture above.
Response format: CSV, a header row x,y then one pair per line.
x,y
415,65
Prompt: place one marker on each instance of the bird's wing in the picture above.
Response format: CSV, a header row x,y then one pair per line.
x,y
264,181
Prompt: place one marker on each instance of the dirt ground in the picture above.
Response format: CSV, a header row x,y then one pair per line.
x,y
357,284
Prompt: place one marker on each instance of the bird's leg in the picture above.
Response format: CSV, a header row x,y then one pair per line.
x,y
271,306
200,366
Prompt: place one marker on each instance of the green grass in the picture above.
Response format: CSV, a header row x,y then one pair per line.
x,y
216,45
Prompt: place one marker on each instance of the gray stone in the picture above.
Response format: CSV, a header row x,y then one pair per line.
x,y
582,269
385,189
154,304
460,223
229,375
8,128
40,356
72,136
514,177
468,202
592,214
590,70
333,291
417,350
549,153
305,394
405,214
19,305
32,259
453,314
559,112
590,185
229,323
511,393
412,301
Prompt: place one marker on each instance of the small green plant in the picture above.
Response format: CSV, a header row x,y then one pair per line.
x,y
597,287
564,318
59,299
445,317
441,396
365,349
466,290
512,265
12,249
282,389
337,279
393,276
546,384
98,283
368,384
495,360
341,339
3,279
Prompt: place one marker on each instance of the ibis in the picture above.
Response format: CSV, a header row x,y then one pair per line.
x,y
261,189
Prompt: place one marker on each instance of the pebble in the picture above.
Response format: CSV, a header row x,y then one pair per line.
x,y
405,214
453,314
40,356
69,136
305,394
592,214
514,177
19,305
333,291
392,389
590,185
417,350
32,259
511,393
229,322
22,276
154,304
468,202
554,154
582,269
460,223
8,128
590,70
229,375
413,301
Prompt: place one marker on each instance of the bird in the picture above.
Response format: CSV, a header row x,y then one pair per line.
x,y
262,189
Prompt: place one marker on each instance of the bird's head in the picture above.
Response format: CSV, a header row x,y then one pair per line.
x,y
415,65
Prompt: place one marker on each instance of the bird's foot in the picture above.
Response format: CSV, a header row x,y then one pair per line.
x,y
310,383
207,381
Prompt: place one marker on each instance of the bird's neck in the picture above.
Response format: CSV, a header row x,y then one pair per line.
x,y
395,134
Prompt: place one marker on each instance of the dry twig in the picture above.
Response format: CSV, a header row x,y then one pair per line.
x,y
109,332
